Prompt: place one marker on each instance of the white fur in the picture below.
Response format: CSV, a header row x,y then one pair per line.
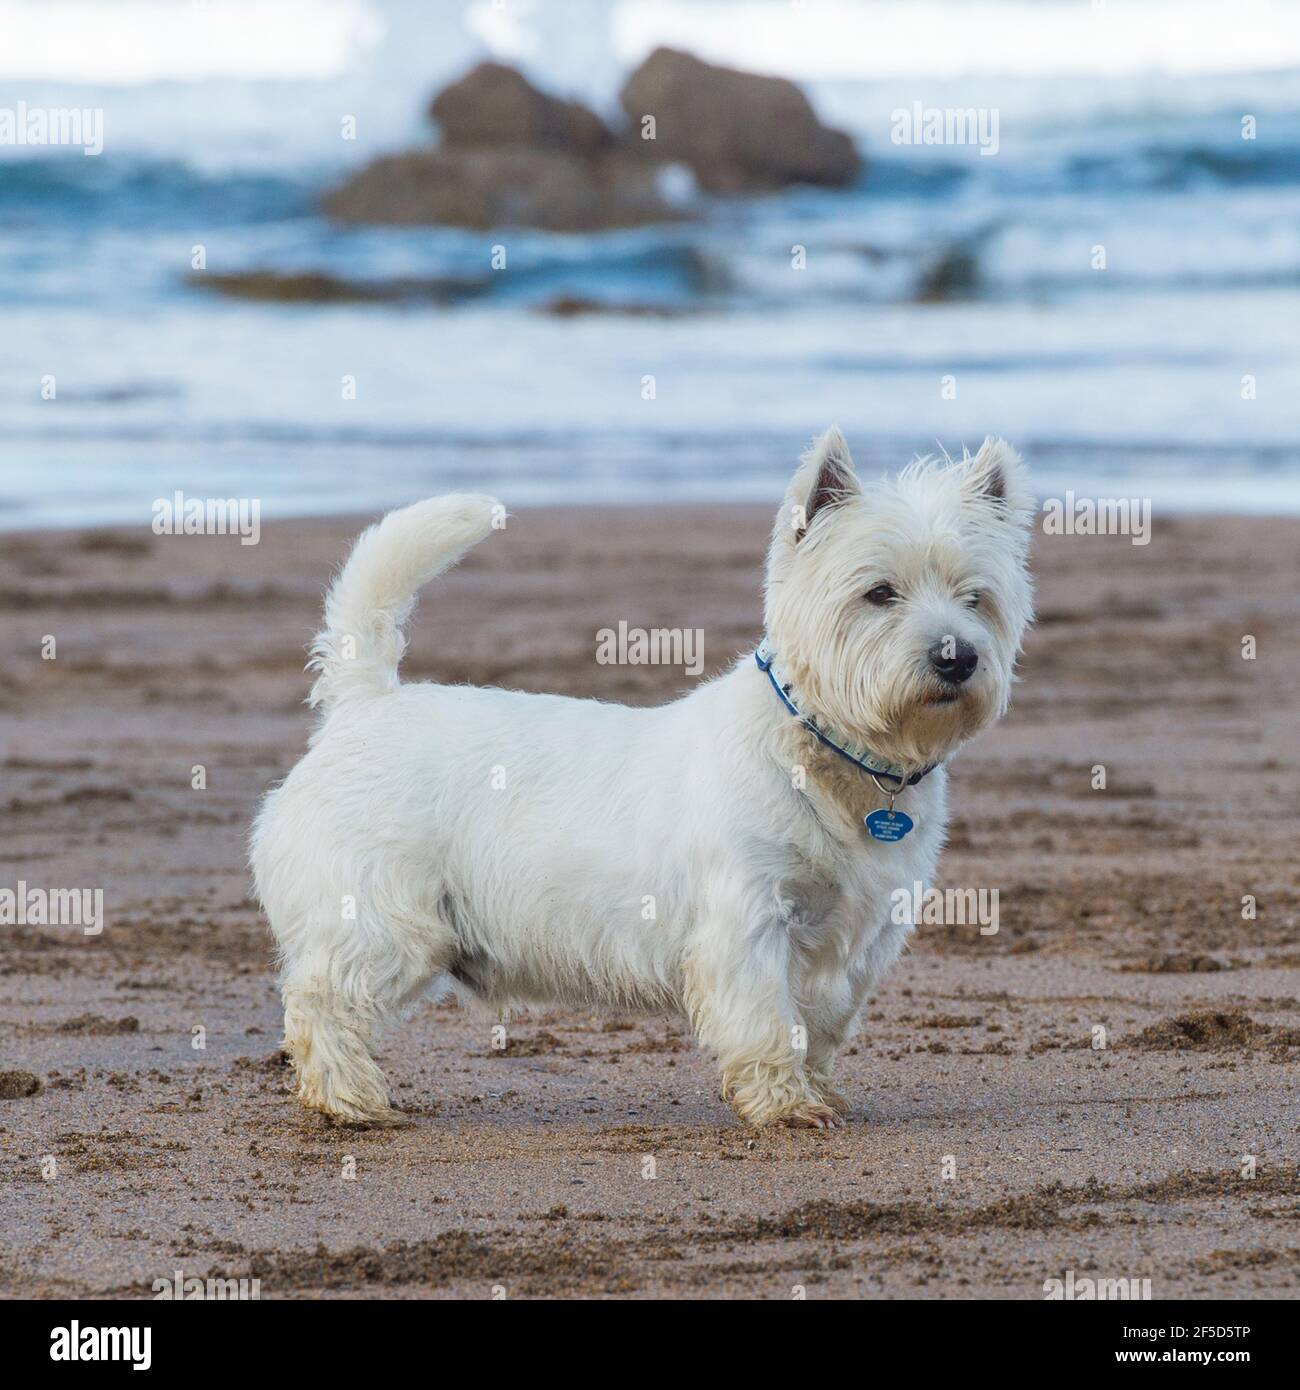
x,y
390,863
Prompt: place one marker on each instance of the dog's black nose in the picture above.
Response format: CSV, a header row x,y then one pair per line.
x,y
953,660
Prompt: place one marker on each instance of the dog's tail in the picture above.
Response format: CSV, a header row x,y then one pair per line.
x,y
369,604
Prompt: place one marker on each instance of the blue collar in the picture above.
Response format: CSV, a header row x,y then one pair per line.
x,y
860,756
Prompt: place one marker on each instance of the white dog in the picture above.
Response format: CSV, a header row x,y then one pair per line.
x,y
730,856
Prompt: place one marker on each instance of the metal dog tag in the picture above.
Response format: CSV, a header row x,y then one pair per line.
x,y
888,826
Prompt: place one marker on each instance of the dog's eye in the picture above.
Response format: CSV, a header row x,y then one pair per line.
x,y
882,594
973,600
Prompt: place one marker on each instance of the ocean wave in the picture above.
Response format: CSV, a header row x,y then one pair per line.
x,y
1166,217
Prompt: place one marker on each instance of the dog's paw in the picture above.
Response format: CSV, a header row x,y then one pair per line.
x,y
804,1112
829,1095
355,1115
808,1116
778,1096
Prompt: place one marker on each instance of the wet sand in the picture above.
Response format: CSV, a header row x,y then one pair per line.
x,y
142,1153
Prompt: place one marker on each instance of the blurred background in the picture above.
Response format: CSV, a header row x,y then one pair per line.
x,y
226,123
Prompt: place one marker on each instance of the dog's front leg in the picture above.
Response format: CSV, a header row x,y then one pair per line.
x,y
833,1003
829,1029
742,1007
832,1000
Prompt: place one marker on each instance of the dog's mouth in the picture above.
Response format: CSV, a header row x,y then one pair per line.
x,y
944,697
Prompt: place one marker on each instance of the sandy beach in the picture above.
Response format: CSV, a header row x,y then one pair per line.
x,y
992,1145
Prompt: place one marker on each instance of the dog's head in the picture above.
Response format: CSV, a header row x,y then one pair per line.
x,y
898,607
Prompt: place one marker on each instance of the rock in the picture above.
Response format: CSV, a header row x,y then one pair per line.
x,y
502,186
954,274
319,287
496,105
572,306
738,131
510,156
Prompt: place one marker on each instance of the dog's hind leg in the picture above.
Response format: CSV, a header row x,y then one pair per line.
x,y
328,1033
335,1003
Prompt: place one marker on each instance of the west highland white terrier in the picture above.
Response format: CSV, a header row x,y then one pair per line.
x,y
730,856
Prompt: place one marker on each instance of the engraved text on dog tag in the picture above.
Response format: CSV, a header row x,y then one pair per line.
x,y
887,825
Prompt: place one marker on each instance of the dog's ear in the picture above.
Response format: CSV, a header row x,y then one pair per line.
x,y
997,475
825,479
